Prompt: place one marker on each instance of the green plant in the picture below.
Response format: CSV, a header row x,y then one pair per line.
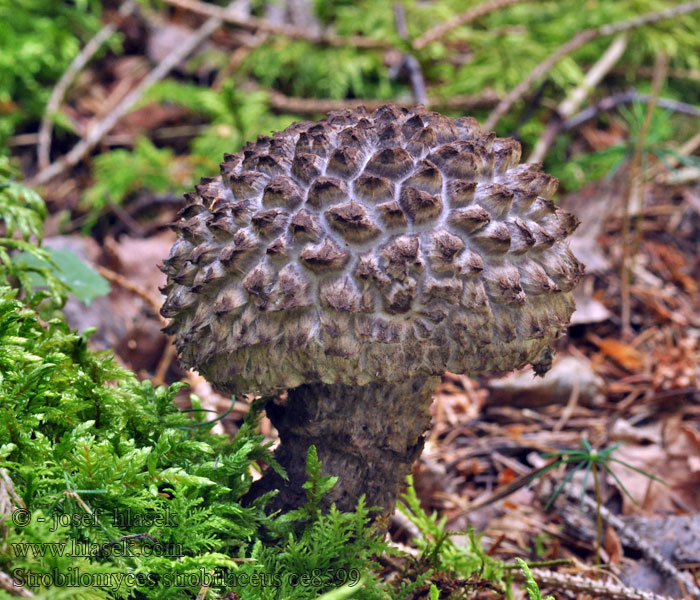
x,y
531,586
663,133
25,263
38,39
592,461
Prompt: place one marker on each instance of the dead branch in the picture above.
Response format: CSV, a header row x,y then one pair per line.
x,y
596,588
633,199
8,584
467,16
123,282
290,31
410,62
102,128
632,538
627,97
59,91
311,106
573,101
581,39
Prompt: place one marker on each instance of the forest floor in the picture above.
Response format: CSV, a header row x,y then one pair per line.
x,y
627,375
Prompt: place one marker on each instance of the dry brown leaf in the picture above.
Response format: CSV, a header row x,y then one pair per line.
x,y
623,354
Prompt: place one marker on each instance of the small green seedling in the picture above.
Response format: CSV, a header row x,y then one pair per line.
x,y
591,460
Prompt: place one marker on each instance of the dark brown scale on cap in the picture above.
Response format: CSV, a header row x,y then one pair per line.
x,y
422,141
258,283
506,154
204,253
247,184
391,215
223,225
560,224
208,278
444,128
193,230
326,191
387,114
279,248
522,200
460,192
561,265
283,192
399,296
272,164
305,227
307,167
402,256
270,222
469,219
543,240
318,144
449,290
467,128
356,136
344,162
457,163
281,145
492,239
530,177
390,136
292,289
394,163
341,294
427,178
325,257
535,280
186,274
230,299
503,284
237,254
444,250
495,198
353,222
412,126
521,238
421,207
373,188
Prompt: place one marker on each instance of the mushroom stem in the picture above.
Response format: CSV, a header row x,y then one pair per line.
x,y
368,436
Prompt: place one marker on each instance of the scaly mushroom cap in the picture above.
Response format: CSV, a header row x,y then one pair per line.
x,y
370,247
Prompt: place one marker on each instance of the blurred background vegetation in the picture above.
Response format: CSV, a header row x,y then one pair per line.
x,y
283,60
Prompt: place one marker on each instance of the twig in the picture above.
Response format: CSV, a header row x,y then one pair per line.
x,y
310,106
467,16
102,128
290,31
632,538
580,39
633,200
15,589
123,282
409,61
627,97
573,101
685,150
59,91
577,583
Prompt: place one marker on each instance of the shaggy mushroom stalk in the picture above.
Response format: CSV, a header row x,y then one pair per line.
x,y
368,435
354,260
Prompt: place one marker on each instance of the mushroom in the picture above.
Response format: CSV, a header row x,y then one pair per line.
x,y
351,262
